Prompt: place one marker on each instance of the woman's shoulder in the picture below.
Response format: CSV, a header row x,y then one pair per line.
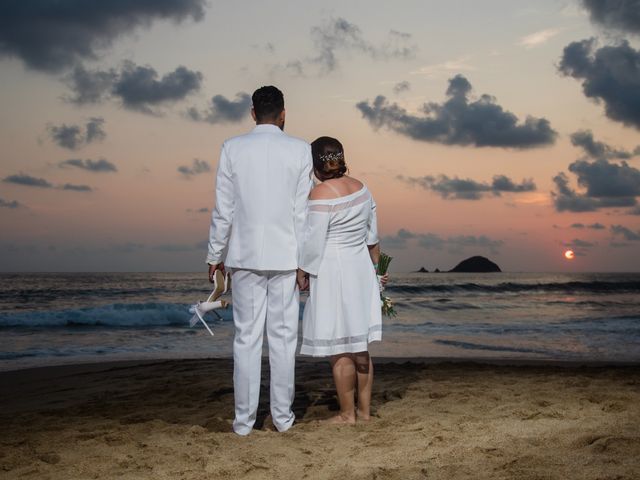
x,y
330,189
355,184
321,192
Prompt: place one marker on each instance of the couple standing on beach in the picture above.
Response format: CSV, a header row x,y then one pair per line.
x,y
278,234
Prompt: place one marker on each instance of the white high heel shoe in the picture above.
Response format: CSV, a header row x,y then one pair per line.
x,y
221,285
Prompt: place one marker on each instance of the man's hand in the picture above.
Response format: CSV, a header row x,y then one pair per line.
x,y
303,280
213,268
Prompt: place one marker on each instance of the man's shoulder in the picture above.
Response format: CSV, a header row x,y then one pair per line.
x,y
296,140
237,139
283,138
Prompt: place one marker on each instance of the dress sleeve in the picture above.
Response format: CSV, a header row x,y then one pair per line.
x,y
372,233
314,237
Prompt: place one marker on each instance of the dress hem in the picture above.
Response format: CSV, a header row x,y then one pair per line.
x,y
338,349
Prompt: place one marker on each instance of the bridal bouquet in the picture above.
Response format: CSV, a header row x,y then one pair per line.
x,y
387,303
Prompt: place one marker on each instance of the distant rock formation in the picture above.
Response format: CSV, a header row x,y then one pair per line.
x,y
422,270
476,264
437,270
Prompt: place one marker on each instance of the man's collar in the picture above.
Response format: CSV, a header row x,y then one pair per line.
x,y
267,127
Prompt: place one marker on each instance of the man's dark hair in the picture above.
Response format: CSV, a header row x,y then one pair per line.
x,y
268,102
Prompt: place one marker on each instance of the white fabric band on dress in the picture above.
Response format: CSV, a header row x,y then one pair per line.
x,y
336,207
341,341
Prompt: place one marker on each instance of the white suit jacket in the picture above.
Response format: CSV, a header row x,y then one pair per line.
x,y
262,186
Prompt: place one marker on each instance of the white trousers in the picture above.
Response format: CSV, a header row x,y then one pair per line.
x,y
260,296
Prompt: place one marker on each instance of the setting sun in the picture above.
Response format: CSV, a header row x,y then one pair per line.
x,y
569,254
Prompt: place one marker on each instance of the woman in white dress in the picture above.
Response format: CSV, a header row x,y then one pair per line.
x,y
338,263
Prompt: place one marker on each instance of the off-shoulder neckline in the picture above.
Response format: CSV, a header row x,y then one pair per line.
x,y
339,199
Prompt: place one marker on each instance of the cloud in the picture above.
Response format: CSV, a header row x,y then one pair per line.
x,y
27,181
94,130
460,243
595,149
198,210
197,167
72,137
538,38
606,185
619,244
400,87
629,235
593,226
89,86
622,15
398,240
567,199
66,136
604,179
52,36
432,241
98,166
609,75
76,188
468,189
577,243
223,110
9,204
459,121
139,88
136,87
336,35
445,68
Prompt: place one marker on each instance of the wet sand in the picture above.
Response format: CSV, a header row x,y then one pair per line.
x,y
172,420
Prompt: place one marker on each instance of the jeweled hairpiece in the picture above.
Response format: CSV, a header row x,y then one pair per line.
x,y
328,157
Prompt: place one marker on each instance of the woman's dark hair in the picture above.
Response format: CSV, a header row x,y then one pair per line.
x,y
268,102
328,158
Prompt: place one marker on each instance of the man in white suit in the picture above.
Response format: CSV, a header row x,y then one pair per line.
x,y
262,185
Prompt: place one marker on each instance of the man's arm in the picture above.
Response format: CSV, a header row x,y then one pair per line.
x,y
305,184
222,214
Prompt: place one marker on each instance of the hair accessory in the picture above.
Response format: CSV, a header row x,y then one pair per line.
x,y
328,157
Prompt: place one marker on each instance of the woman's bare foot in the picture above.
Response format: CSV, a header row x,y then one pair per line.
x,y
340,419
362,416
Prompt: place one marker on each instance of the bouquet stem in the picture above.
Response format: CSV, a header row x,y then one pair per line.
x,y
387,303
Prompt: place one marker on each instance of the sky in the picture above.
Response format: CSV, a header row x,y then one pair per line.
x,y
501,128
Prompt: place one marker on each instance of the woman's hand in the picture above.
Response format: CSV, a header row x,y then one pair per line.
x,y
303,280
382,281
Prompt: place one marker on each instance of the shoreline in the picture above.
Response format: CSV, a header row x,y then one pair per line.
x,y
91,366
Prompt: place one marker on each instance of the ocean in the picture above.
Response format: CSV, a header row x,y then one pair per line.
x,y
63,318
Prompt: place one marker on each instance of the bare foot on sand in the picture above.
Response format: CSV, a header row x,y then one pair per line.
x,y
340,419
362,417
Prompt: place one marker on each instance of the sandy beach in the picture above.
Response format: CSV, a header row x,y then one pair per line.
x,y
171,420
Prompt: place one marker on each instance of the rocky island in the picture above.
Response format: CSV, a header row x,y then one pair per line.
x,y
476,264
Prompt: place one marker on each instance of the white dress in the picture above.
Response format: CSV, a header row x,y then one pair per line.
x,y
343,311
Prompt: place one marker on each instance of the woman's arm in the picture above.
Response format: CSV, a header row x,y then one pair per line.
x,y
374,253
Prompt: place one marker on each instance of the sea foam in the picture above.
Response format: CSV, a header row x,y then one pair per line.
x,y
113,315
